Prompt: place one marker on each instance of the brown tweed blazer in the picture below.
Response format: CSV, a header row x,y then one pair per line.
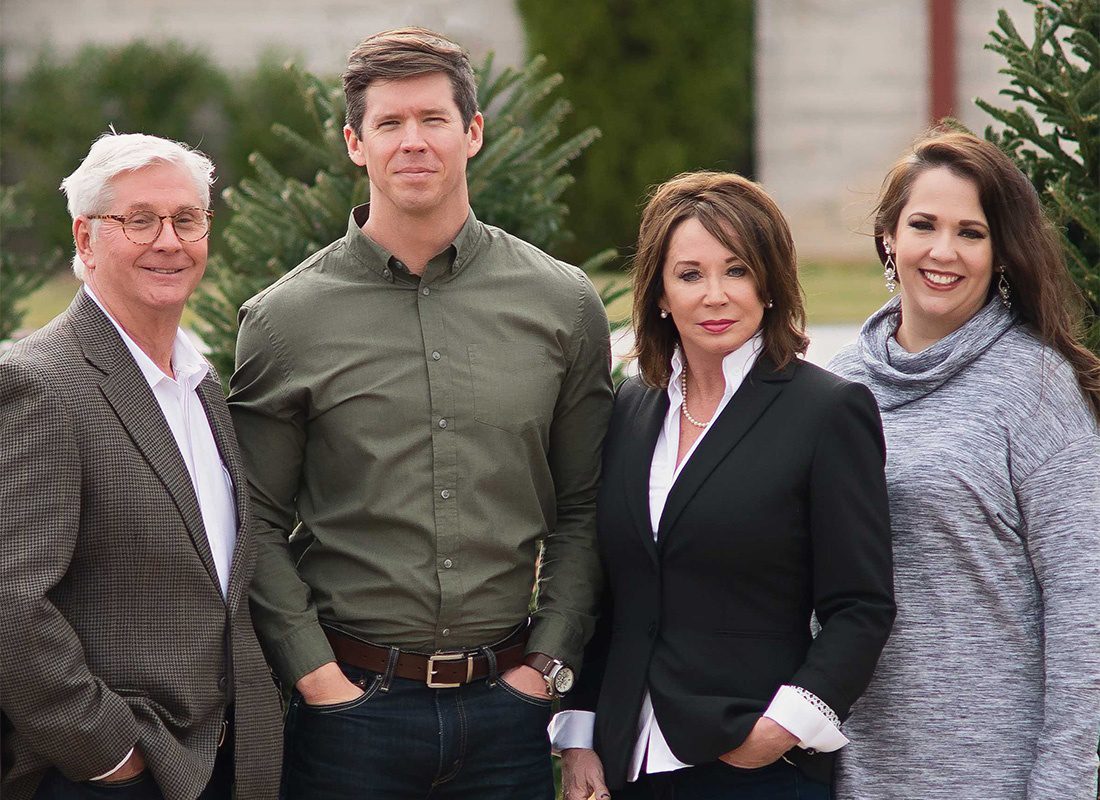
x,y
112,626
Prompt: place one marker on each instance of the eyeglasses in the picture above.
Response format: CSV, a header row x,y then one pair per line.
x,y
144,227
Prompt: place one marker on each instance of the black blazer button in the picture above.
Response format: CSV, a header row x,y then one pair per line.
x,y
223,683
652,629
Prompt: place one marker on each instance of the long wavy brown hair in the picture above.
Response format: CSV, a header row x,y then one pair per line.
x,y
740,215
1024,241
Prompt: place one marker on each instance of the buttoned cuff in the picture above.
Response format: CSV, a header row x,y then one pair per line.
x,y
796,710
299,653
119,766
572,729
552,636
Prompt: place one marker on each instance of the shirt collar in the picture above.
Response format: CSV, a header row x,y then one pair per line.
x,y
451,260
187,362
735,366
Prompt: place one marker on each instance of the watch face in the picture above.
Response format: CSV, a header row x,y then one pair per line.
x,y
563,680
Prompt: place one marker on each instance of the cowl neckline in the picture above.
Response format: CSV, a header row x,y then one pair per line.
x,y
902,377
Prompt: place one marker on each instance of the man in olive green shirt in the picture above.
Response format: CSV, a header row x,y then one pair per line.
x,y
422,403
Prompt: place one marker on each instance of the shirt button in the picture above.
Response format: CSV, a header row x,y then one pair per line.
x,y
425,291
443,423
386,273
435,355
446,631
223,683
445,493
447,563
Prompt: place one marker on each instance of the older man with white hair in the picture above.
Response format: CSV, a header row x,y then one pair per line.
x,y
128,663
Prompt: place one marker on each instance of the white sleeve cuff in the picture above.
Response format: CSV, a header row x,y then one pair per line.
x,y
117,768
793,708
572,729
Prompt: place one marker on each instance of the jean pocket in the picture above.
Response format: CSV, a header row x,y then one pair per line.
x,y
347,705
526,698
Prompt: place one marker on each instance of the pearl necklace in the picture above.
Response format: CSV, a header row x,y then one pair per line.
x,y
684,402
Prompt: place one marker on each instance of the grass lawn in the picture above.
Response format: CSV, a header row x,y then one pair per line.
x,y
835,293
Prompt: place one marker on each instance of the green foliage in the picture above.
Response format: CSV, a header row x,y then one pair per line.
x,y
516,182
52,115
1053,133
668,84
19,276
54,112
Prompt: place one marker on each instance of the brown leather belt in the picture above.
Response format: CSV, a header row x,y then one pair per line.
x,y
438,670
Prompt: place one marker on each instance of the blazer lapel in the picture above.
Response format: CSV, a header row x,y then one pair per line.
x,y
217,414
643,430
759,389
132,400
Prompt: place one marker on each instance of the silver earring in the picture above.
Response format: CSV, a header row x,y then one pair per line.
x,y
1004,289
890,273
664,314
770,304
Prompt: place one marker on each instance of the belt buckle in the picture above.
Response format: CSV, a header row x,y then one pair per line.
x,y
432,659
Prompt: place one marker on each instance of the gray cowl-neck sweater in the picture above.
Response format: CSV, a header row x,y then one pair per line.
x,y
989,688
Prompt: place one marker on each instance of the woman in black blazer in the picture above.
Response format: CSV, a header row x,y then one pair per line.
x,y
743,492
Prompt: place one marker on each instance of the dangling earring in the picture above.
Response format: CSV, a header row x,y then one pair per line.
x,y
1004,289
890,273
664,314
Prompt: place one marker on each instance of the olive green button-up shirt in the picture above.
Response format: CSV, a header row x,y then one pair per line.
x,y
420,436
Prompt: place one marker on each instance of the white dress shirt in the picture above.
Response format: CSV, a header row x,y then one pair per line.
x,y
186,418
789,707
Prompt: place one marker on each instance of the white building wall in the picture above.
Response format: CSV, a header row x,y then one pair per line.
x,y
841,90
320,33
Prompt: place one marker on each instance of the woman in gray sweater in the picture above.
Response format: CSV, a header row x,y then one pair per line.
x,y
990,684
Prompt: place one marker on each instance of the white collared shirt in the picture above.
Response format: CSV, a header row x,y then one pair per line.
x,y
788,708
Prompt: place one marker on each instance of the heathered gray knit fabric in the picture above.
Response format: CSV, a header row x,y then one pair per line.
x,y
989,688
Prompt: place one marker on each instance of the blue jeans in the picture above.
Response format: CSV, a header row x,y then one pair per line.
x,y
479,741
719,781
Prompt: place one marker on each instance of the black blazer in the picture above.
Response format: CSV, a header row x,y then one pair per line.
x,y
780,512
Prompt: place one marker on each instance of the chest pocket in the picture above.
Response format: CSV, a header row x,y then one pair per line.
x,y
515,387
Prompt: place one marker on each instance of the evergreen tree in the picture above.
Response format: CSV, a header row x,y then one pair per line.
x,y
19,276
1054,134
669,85
515,182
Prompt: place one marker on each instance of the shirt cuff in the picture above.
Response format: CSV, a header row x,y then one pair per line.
x,y
572,729
116,769
801,712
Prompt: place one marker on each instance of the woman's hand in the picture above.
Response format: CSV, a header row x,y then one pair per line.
x,y
582,775
767,741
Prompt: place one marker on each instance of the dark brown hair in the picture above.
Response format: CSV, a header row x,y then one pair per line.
x,y
1024,241
407,53
740,215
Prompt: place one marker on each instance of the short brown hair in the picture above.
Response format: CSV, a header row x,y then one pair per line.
x,y
740,215
407,53
1024,241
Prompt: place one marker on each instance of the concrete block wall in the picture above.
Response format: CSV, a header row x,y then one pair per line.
x,y
842,89
319,32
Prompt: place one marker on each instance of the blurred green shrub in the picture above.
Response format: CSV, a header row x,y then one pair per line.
x,y
54,111
668,84
20,276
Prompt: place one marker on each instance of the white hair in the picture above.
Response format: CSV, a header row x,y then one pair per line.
x,y
89,189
